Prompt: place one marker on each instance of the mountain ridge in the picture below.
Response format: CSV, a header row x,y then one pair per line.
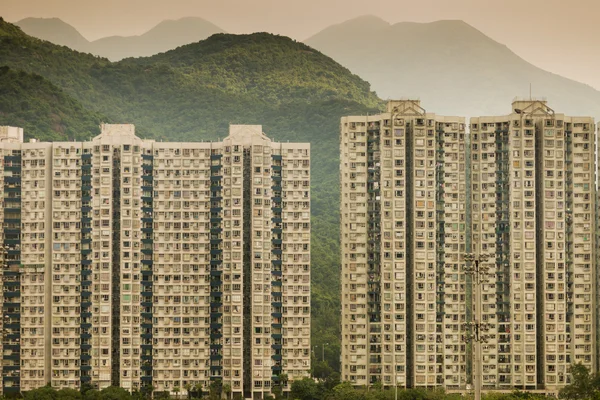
x,y
453,67
55,31
166,35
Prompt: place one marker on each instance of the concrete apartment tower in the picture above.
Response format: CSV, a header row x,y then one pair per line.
x,y
532,201
132,263
416,199
403,234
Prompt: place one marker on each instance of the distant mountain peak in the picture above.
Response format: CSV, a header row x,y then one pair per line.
x,y
182,20
442,60
54,30
363,24
367,19
166,35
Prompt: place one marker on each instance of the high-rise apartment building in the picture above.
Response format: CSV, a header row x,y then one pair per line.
x,y
533,188
403,233
417,195
130,262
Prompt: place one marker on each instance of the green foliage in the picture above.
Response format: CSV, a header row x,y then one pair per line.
x,y
308,389
193,93
44,111
69,394
114,393
43,393
215,390
515,395
305,389
584,385
49,393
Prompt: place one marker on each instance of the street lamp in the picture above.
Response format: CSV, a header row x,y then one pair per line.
x,y
314,352
479,273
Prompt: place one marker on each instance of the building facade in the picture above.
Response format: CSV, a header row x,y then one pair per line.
x,y
130,262
417,196
403,231
533,190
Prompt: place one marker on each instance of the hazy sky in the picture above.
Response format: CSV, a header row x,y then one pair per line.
x,y
562,36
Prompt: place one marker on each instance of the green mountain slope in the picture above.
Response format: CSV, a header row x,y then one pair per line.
x,y
452,67
273,68
44,111
197,90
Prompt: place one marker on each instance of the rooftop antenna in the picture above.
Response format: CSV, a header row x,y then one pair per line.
x,y
530,91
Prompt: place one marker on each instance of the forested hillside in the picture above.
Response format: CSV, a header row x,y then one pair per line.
x,y
44,111
194,93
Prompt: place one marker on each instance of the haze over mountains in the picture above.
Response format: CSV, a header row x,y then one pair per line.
x,y
167,35
452,67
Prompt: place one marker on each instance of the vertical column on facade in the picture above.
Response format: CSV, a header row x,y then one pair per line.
x,y
266,289
490,192
247,273
236,289
35,273
542,141
451,217
147,270
156,354
493,194
36,267
115,301
569,235
552,218
216,268
580,241
354,242
423,243
294,206
128,334
85,334
597,250
276,268
488,202
440,270
502,257
397,168
390,251
485,178
65,249
410,260
374,298
102,181
196,171
11,284
523,257
3,256
66,317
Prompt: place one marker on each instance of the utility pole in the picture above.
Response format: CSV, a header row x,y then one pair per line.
x,y
479,273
